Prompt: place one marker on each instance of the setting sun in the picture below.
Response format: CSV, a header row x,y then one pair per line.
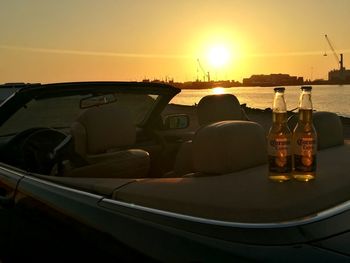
x,y
218,56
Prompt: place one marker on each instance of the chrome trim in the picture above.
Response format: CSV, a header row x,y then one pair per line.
x,y
13,171
62,187
284,224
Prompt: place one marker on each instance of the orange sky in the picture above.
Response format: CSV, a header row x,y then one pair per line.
x,y
78,40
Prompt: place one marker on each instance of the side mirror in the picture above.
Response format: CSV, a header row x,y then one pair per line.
x,y
176,121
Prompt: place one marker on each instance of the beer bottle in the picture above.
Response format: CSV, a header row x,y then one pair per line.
x,y
279,141
304,139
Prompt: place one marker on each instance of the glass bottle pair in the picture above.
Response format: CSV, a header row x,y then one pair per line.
x,y
292,154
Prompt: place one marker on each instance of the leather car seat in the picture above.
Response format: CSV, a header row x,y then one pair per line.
x,y
328,126
228,146
104,137
213,108
210,109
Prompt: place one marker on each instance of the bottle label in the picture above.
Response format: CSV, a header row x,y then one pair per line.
x,y
306,145
280,159
280,164
305,155
305,163
279,146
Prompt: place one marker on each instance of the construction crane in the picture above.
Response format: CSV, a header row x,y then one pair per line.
x,y
205,74
339,60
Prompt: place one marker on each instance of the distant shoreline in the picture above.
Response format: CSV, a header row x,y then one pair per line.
x,y
198,85
256,80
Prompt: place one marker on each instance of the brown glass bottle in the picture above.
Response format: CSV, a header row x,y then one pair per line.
x,y
305,140
279,141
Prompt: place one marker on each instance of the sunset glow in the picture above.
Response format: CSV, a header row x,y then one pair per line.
x,y
136,40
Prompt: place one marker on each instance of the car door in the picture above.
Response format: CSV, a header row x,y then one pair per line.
x,y
49,216
9,179
59,219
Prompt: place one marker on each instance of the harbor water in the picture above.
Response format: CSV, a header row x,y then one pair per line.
x,y
333,98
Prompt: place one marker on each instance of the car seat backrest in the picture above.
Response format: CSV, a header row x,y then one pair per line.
x,y
228,146
328,127
213,108
100,129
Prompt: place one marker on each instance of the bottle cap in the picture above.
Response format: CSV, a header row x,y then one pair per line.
x,y
306,88
279,89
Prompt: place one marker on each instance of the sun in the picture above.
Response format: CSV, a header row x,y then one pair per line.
x,y
218,56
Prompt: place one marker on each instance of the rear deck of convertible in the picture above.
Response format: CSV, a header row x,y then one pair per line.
x,y
229,182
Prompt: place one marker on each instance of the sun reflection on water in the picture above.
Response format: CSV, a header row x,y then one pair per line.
x,y
218,90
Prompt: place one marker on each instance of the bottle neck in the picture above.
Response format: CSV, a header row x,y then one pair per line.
x,y
305,115
305,101
279,117
279,104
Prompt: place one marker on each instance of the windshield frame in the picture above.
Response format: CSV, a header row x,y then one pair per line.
x,y
30,91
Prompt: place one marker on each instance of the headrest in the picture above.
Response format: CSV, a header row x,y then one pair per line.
x,y
229,146
213,108
328,127
101,128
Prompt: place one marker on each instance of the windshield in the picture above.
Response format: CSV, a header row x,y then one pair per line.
x,y
60,112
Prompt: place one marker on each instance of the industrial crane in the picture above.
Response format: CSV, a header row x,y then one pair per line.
x,y
205,74
339,60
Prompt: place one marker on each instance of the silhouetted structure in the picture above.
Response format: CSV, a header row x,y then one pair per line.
x,y
342,75
199,84
339,76
272,80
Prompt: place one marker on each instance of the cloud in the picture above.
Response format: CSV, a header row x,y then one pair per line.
x,y
93,53
296,54
160,56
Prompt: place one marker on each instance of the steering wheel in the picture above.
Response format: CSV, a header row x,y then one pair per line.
x,y
32,149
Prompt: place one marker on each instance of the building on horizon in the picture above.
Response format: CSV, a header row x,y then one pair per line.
x,y
339,76
273,80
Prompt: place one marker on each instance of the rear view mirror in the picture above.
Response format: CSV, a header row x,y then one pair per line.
x,y
97,100
176,121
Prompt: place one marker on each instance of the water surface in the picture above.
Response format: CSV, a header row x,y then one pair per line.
x,y
332,98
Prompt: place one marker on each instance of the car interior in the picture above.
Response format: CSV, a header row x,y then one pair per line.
x,y
104,137
105,148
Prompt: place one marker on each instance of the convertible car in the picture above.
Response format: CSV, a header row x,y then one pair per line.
x,y
99,171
